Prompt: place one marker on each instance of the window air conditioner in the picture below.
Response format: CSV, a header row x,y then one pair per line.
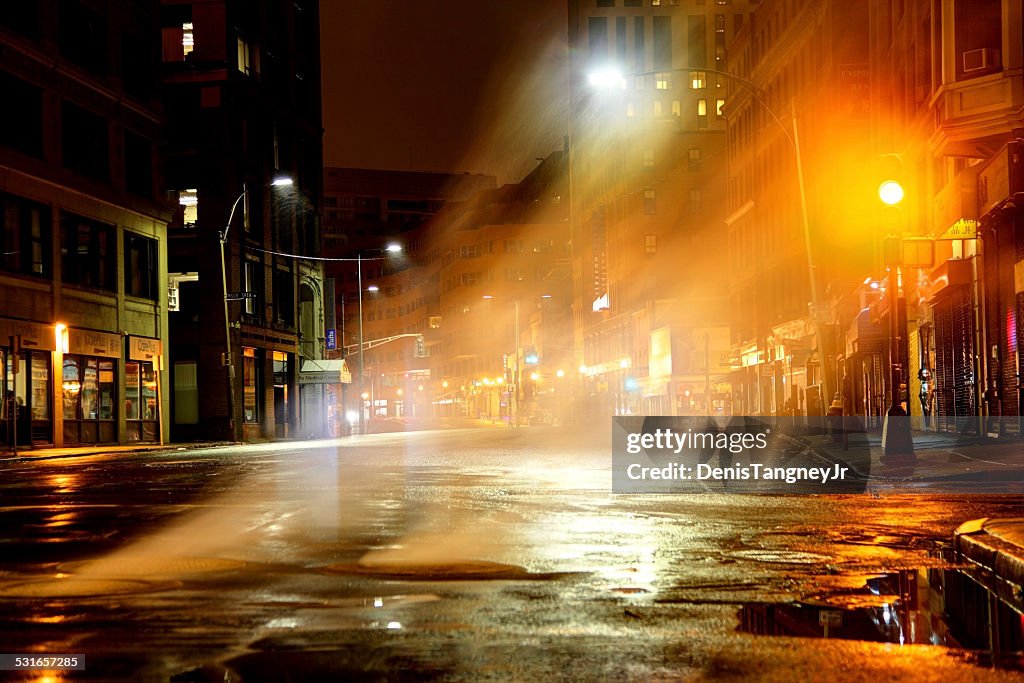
x,y
980,60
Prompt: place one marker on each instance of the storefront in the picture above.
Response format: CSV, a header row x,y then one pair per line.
x,y
142,390
88,387
26,353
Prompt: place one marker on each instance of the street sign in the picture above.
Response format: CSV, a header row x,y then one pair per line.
x,y
963,229
917,252
238,296
331,339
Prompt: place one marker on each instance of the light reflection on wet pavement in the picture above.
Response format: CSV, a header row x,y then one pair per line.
x,y
362,561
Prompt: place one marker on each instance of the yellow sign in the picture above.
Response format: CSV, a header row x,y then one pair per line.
x,y
963,229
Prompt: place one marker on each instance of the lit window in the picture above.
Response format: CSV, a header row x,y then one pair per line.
x,y
244,62
677,108
188,41
650,207
650,244
702,107
694,158
189,202
698,80
663,80
630,109
695,201
719,106
655,3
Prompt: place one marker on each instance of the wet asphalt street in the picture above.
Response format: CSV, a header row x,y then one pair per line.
x,y
461,555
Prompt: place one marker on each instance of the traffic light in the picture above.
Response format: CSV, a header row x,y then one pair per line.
x,y
531,357
421,349
892,182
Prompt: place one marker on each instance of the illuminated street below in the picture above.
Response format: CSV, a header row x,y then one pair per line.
x,y
463,554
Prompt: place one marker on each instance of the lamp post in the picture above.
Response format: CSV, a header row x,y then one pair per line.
x,y
390,249
514,404
227,361
897,438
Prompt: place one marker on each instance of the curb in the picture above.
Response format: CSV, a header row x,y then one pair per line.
x,y
27,456
1000,562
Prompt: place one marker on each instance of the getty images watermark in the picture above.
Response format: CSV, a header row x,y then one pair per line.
x,y
734,454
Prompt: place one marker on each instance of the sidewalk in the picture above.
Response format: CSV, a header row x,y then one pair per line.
x,y
940,457
996,546
27,454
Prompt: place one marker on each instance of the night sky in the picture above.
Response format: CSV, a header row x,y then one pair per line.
x,y
444,85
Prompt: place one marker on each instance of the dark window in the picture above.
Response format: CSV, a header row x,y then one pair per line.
x,y
597,33
620,39
84,142
639,58
88,252
138,164
633,3
21,18
137,62
978,36
662,42
697,44
284,297
606,3
83,36
140,266
26,236
21,126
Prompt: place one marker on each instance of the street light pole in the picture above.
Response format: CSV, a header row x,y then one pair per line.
x,y
390,249
227,361
897,437
515,374
362,368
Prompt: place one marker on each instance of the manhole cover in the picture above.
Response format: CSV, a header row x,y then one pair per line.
x,y
779,556
73,587
458,570
150,566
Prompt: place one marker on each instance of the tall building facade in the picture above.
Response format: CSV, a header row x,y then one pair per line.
x,y
949,102
83,293
241,83
648,119
801,203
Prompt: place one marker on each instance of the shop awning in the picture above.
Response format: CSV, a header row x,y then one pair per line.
x,y
323,371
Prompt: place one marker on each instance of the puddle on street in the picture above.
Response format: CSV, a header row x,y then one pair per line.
x,y
66,587
976,618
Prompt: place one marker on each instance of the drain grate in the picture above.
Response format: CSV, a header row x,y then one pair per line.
x,y
74,587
